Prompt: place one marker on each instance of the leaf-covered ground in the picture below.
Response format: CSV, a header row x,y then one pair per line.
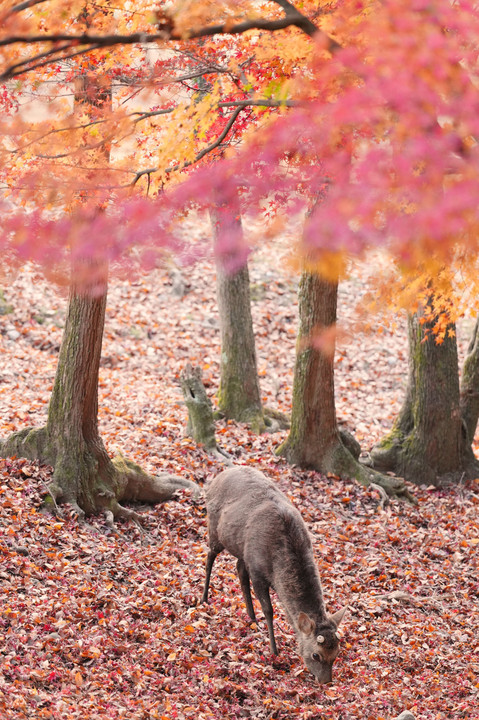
x,y
101,625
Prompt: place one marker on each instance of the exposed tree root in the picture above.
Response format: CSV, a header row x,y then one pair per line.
x,y
341,462
220,454
399,456
86,480
275,420
382,493
338,460
136,485
254,418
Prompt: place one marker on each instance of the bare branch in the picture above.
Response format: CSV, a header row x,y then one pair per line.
x,y
85,39
259,24
24,6
259,102
199,156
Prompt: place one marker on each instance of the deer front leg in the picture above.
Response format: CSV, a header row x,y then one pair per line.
x,y
246,588
261,589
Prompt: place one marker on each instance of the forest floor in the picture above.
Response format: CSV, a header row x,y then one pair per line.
x,y
98,624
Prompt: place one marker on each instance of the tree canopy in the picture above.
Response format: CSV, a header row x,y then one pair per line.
x,y
378,117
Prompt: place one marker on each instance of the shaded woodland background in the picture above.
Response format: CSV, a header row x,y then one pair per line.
x,y
103,624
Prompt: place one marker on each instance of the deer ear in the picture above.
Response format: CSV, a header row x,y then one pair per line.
x,y
306,624
338,616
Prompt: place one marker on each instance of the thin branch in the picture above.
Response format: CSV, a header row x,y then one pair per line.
x,y
258,24
141,173
199,156
7,75
145,115
24,6
85,39
57,131
41,56
70,153
293,18
150,113
213,145
194,74
260,102
93,42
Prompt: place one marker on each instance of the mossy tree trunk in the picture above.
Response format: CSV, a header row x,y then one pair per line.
x,y
83,471
239,395
428,442
201,423
470,386
314,437
84,475
314,440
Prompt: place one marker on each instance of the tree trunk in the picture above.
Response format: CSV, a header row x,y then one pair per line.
x,y
470,386
83,470
428,442
84,475
70,442
239,396
314,440
314,436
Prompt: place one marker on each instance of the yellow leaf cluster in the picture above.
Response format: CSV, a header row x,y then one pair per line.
x,y
186,131
444,294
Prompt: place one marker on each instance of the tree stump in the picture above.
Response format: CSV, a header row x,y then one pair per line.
x,y
201,425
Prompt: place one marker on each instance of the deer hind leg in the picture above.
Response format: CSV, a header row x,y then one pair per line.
x,y
209,566
245,587
261,589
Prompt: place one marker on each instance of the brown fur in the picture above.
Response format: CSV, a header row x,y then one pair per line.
x,y
255,522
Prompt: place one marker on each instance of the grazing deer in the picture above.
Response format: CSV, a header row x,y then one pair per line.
x,y
255,522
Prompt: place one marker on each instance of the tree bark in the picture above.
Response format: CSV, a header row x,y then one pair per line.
x,y
428,442
314,440
201,424
314,434
470,386
70,442
239,395
84,476
74,447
